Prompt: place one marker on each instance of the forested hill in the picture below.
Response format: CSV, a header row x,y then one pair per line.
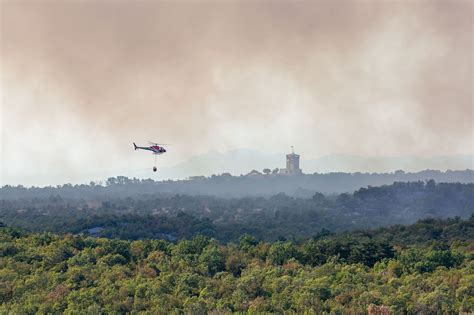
x,y
174,217
354,273
224,185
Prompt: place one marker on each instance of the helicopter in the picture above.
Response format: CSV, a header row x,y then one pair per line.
x,y
155,148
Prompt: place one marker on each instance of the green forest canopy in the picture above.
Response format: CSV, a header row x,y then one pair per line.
x,y
339,274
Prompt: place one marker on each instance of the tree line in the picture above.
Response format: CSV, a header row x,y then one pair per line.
x,y
229,186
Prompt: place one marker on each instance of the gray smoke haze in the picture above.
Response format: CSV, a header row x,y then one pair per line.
x,y
82,80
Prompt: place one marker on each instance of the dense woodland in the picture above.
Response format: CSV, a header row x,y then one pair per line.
x,y
279,217
91,250
426,268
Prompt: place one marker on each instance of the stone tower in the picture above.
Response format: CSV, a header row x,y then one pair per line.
x,y
293,163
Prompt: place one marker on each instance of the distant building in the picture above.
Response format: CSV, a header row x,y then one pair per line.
x,y
95,230
197,177
292,164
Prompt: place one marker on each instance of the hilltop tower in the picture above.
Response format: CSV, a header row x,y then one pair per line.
x,y
292,164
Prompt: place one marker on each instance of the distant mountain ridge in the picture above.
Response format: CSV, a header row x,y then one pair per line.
x,y
243,161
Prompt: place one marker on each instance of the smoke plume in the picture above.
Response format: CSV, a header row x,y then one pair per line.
x,y
81,80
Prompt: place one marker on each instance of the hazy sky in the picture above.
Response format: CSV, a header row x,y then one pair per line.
x,y
81,80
